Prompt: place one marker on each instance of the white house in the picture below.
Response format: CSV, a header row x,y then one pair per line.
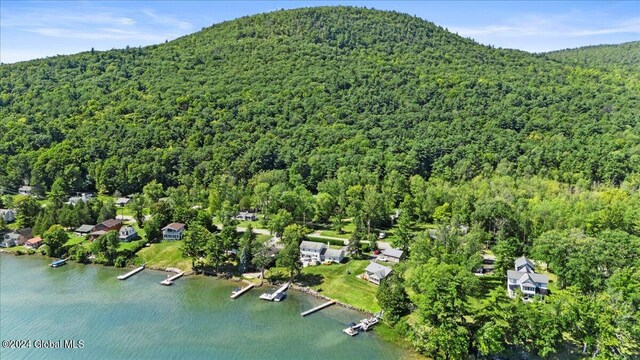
x,y
127,233
393,255
311,251
10,240
525,280
334,255
8,215
25,190
375,272
173,231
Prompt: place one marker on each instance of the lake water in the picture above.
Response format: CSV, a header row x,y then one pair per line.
x,y
141,319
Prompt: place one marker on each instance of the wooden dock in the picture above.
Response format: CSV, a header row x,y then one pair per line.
x,y
318,308
235,294
276,296
130,273
170,280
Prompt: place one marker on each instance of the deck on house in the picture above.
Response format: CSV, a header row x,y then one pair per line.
x,y
131,273
237,293
170,280
318,308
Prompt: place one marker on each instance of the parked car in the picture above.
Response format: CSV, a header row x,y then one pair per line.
x,y
383,258
376,252
382,235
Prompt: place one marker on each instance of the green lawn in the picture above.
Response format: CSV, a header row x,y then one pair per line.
x,y
74,240
339,281
130,245
165,254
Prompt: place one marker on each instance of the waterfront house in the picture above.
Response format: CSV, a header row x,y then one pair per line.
x,y
10,240
375,272
393,255
127,233
108,225
312,251
33,243
246,216
523,278
173,231
84,230
333,255
8,215
25,190
122,201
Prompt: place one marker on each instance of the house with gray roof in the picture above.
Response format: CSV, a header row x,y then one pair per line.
x,y
8,215
84,230
375,272
524,264
523,278
311,251
122,201
333,255
9,240
393,255
25,190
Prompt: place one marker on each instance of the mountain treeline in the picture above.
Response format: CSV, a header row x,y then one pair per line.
x,y
311,91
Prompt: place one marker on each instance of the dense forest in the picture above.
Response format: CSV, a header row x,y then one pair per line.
x,y
621,56
312,90
323,117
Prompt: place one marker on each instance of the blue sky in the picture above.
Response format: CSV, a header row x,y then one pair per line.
x,y
35,29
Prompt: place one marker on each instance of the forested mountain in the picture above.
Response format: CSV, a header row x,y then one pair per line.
x,y
313,90
625,56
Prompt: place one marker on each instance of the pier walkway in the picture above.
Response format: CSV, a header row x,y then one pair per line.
x,y
130,273
170,280
318,308
235,294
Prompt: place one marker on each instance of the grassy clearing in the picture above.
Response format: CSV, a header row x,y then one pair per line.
x,y
130,245
74,240
339,281
165,254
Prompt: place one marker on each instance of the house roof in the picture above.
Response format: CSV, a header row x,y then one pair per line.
x,y
24,188
334,253
394,253
26,232
98,233
111,223
34,240
3,211
522,277
378,270
312,245
174,226
128,229
11,236
521,261
122,200
85,228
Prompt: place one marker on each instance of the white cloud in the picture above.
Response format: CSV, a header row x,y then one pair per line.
x,y
563,25
167,20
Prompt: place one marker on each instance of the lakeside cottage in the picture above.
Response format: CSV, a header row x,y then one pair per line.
x,y
315,252
127,233
84,230
392,255
524,278
8,215
108,225
10,240
33,243
375,272
173,231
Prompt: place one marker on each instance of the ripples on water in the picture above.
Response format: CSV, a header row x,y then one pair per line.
x,y
141,319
